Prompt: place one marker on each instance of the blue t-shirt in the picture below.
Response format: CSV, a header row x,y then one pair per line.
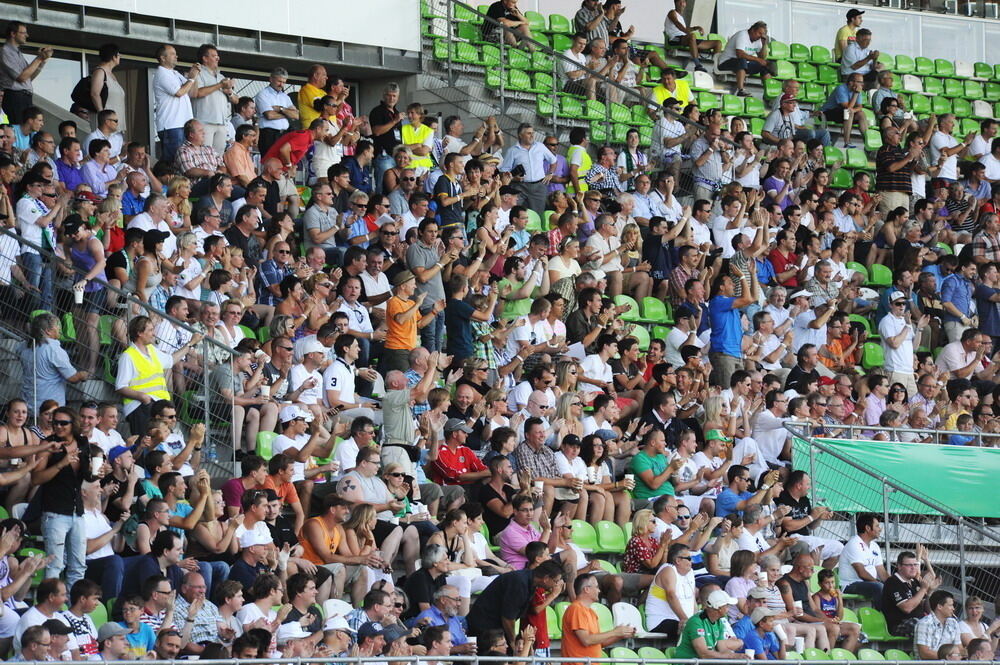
x,y
743,627
989,312
458,323
727,333
768,644
727,500
840,95
141,643
182,510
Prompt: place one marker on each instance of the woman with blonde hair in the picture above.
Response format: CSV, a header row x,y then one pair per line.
x,y
178,195
360,541
320,288
635,271
108,227
644,553
463,570
567,373
403,158
569,409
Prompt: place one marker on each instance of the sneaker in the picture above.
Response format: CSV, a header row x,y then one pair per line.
x,y
698,67
742,93
849,146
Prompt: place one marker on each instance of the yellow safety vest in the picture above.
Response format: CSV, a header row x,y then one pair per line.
x,y
150,378
581,172
412,136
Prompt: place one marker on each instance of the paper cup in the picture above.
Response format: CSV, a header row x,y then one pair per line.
x,y
539,486
749,653
800,644
798,605
78,296
630,477
265,391
472,640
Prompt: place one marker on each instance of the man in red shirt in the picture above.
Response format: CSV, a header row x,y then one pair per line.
x,y
455,463
292,146
784,259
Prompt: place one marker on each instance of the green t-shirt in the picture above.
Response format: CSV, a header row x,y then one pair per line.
x,y
510,307
699,626
641,462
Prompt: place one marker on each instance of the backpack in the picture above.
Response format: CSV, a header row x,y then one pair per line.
x,y
81,94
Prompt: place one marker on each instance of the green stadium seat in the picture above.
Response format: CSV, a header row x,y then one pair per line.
x,y
624,656
798,52
264,441
732,105
873,139
544,106
772,88
754,108
561,42
996,72
630,315
813,93
842,654
598,131
856,158
905,65
870,655
813,653
569,107
619,132
841,179
536,22
983,70
888,61
973,90
708,100
463,13
518,59
651,653
777,50
827,75
467,53
881,276
833,155
490,55
858,267
872,357
534,223
953,88
560,24
807,72
605,621
857,318
621,113
991,91
518,80
541,62
39,574
896,654
820,55
468,32
944,68
554,624
756,126
493,78
932,86
645,136
962,108
639,116
924,66
585,536
784,70
542,83
654,310
595,110
610,537
99,616
940,105
642,336
920,104
660,332
793,655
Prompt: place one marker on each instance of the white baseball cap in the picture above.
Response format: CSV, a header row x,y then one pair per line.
x,y
291,412
290,631
254,537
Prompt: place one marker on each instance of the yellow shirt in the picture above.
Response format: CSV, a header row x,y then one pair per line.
x,y
682,93
845,34
308,94
413,136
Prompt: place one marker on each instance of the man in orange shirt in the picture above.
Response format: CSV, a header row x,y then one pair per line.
x,y
402,318
582,637
279,479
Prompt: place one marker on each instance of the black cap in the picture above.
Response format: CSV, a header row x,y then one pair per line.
x,y
853,12
71,225
155,235
33,179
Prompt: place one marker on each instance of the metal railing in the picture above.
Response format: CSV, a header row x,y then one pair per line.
x,y
936,436
938,527
215,432
434,660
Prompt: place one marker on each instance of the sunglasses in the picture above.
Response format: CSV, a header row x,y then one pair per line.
x,y
395,474
408,179
399,606
390,233
62,423
282,251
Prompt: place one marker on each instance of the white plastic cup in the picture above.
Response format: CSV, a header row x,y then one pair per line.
x,y
762,578
265,391
800,644
630,477
798,605
334,466
539,486
78,296
473,640
749,653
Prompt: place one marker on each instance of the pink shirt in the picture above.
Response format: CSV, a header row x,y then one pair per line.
x,y
514,538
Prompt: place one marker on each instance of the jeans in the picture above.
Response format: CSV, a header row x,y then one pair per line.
x,y
109,571
821,135
214,572
66,541
870,590
170,141
39,275
380,165
432,335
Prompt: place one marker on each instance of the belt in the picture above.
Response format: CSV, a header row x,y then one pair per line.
x,y
533,182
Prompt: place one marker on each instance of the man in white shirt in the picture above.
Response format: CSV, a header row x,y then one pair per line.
x,y
104,433
773,441
172,94
360,323
362,435
578,79
338,382
744,54
276,110
596,368
684,332
943,144
213,98
982,144
598,419
897,341
539,378
154,218
992,162
305,376
858,58
862,570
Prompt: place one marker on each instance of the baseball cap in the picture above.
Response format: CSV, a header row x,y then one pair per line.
x,y
155,236
370,629
761,613
336,608
897,295
716,435
109,630
757,593
507,189
116,452
606,434
802,294
337,623
827,381
788,97
313,346
88,196
851,13
457,425
71,225
291,412
719,599
393,632
402,277
571,440
290,631
254,537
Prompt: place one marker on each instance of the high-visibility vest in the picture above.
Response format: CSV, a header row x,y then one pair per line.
x,y
412,136
149,378
581,172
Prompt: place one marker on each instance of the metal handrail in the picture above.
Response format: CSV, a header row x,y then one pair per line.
x,y
937,433
557,58
435,660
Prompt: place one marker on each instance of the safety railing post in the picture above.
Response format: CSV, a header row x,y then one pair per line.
x,y
886,526
503,72
450,41
961,555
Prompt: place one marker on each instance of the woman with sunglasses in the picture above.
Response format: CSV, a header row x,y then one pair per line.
x,y
18,446
403,158
595,453
60,474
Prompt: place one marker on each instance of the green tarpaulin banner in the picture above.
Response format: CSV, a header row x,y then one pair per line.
x,y
959,478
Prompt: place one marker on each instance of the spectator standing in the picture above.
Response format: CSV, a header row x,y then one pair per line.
x,y
16,73
534,160
276,109
172,92
213,98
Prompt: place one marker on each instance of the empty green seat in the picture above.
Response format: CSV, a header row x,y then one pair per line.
x,y
595,110
660,332
584,535
842,654
544,106
518,80
905,65
807,72
872,356
920,104
772,88
820,55
833,155
264,441
924,66
944,67
933,86
518,59
598,131
777,50
754,107
962,108
841,179
541,61
813,93
490,55
632,313
798,52
973,90
467,31
642,336
870,655
953,88
708,100
618,132
856,158
542,83
880,275
610,537
896,654
784,70
983,70
560,24
813,653
873,139
569,107
463,13
940,105
732,105
561,42
467,53
887,61
639,116
827,75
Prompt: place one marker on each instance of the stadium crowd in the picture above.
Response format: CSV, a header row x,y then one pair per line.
x,y
425,393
